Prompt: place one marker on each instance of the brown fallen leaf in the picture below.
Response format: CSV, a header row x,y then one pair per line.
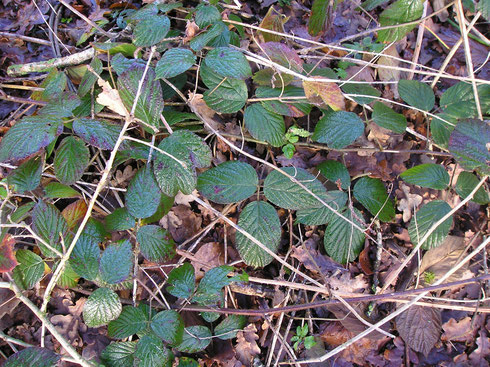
x,y
458,331
246,345
208,256
182,222
8,260
479,356
409,203
273,21
110,98
387,65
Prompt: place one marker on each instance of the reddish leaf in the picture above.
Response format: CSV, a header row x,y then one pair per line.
x,y
283,55
7,258
273,21
322,94
74,213
420,327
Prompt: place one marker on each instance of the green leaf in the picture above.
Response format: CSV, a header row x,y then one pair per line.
x,y
320,215
71,160
29,136
283,192
143,195
101,307
227,329
120,354
401,11
27,176
88,78
63,106
484,7
156,244
174,62
116,262
369,5
22,212
425,218
190,149
150,352
164,207
33,356
98,133
417,94
318,17
385,117
371,193
30,268
468,143
467,182
285,107
149,32
228,62
69,278
48,223
132,320
338,129
196,338
458,101
335,172
362,89
119,220
441,130
85,257
229,97
431,175
203,39
229,182
210,286
187,362
265,125
342,241
206,15
169,326
259,219
182,281
56,190
150,102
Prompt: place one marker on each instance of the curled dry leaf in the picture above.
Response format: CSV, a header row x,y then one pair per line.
x,y
182,222
408,204
191,29
110,98
387,65
458,331
246,345
7,257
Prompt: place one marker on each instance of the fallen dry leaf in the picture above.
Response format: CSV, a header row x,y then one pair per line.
x,y
323,94
458,331
208,256
408,204
246,345
182,222
110,98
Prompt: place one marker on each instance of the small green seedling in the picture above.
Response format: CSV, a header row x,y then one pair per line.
x,y
302,338
292,136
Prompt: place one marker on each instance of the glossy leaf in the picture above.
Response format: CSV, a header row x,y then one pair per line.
x,y
228,62
48,223
131,321
74,213
227,329
283,55
174,62
85,257
119,220
182,281
156,244
143,194
196,338
169,326
323,94
101,307
371,193
259,219
385,117
116,262
68,278
150,352
120,354
71,159
29,136
362,89
88,78
229,97
98,133
335,172
433,176
150,102
265,125
229,182
281,191
425,218
467,182
203,39
319,215
343,242
401,11
417,94
338,129
27,176
206,15
458,101
7,257
56,190
468,143
150,31
211,285
33,356
188,148
29,270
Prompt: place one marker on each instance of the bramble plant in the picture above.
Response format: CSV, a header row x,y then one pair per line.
x,y
124,113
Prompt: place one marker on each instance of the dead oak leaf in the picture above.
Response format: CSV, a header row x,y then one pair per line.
x,y
110,98
458,331
246,345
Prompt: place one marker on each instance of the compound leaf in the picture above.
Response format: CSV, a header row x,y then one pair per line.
x,y
132,320
401,11
174,62
417,94
228,62
33,356
98,133
182,281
